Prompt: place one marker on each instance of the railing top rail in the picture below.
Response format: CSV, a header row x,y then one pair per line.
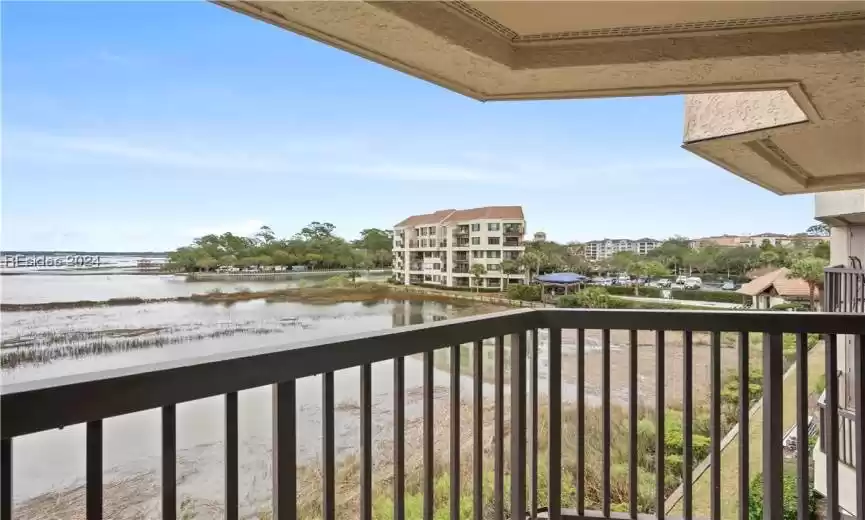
x,y
844,270
33,406
706,320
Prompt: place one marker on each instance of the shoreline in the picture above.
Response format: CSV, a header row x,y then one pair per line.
x,y
362,292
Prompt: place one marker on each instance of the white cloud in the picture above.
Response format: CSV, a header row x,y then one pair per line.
x,y
415,160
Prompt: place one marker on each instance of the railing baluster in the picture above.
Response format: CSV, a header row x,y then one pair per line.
x,y
533,438
715,413
659,429
633,410
169,462
478,431
605,422
455,432
773,433
581,421
284,450
744,426
518,424
859,421
802,457
687,426
831,423
6,479
328,448
94,470
554,478
366,442
398,439
499,475
428,440
231,455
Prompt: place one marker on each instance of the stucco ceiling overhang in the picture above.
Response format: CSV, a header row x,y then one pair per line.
x,y
775,90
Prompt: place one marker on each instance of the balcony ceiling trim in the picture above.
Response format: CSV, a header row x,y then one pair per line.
x,y
813,56
507,33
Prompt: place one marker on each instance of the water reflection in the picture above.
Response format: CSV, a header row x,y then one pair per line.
x,y
69,341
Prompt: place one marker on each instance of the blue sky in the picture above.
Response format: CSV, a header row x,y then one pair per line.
x,y
137,126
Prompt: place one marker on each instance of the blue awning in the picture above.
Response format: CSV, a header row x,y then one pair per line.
x,y
561,278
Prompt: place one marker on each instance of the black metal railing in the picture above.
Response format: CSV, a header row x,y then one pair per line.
x,y
846,433
844,289
515,338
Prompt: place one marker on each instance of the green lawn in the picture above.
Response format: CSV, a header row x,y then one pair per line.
x,y
730,455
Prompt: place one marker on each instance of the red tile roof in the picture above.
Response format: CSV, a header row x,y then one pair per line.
x,y
427,219
453,215
784,284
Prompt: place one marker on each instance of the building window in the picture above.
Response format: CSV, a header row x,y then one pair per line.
x,y
494,254
423,231
494,267
476,241
477,254
423,242
437,267
493,241
476,227
432,231
493,226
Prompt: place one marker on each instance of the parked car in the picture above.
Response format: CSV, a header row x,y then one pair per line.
x,y
680,280
693,283
623,280
729,285
664,282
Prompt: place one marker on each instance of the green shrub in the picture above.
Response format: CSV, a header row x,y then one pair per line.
x,y
528,293
588,298
789,510
709,296
456,289
673,464
790,306
700,446
680,294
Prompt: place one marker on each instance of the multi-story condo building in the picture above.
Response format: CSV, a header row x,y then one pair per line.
x,y
440,248
600,249
775,239
843,290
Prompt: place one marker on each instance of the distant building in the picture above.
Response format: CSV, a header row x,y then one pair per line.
x,y
601,249
775,288
440,248
540,236
775,239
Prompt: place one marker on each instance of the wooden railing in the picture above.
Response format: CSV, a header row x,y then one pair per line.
x,y
47,404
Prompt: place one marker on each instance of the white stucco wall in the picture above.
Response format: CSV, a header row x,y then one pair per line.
x,y
846,480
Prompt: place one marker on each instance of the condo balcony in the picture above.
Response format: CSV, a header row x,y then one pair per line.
x,y
544,422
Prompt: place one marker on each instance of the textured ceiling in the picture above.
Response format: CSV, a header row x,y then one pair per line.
x,y
776,89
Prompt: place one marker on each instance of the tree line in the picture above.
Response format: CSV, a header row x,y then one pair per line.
x,y
314,246
675,255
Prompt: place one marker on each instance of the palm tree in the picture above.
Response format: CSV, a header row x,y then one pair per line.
x,y
531,259
509,267
478,270
809,270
